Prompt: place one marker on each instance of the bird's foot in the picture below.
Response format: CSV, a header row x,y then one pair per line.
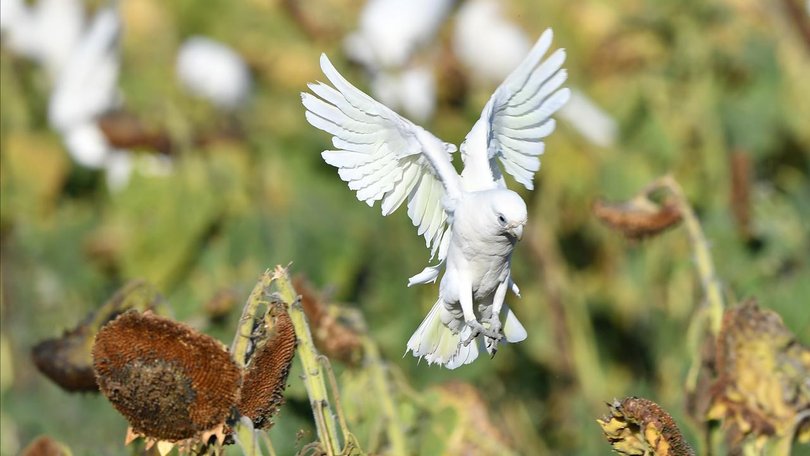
x,y
478,329
491,343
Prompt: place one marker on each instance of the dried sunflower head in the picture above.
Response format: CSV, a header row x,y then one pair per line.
x,y
67,360
640,427
763,385
335,336
267,370
169,381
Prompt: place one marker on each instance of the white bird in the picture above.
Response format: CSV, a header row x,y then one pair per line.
x,y
413,89
46,32
390,35
590,120
471,221
88,85
212,70
87,88
391,31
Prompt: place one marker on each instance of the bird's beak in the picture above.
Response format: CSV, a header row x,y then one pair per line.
x,y
517,232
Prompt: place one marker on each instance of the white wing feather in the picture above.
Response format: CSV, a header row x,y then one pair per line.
x,y
518,116
383,156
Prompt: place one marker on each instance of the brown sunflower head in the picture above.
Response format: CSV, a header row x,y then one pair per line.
x,y
267,370
638,426
169,381
638,218
335,334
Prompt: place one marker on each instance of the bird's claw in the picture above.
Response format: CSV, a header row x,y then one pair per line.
x,y
493,332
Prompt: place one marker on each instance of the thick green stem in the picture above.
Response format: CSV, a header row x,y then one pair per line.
x,y
314,377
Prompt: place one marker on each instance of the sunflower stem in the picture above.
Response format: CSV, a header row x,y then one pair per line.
x,y
703,258
313,376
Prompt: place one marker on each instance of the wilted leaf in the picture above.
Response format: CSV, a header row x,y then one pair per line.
x,y
763,383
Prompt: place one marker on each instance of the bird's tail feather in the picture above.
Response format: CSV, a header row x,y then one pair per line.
x,y
513,330
437,343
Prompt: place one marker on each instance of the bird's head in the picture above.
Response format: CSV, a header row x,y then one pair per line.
x,y
509,213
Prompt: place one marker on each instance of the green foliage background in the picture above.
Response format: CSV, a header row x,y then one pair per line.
x,y
690,83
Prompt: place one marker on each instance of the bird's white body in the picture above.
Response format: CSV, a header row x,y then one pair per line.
x,y
470,221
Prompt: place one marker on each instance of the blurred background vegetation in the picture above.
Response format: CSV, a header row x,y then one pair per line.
x,y
714,92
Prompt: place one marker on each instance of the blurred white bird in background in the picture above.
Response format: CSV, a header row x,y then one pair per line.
x,y
486,42
471,221
82,58
412,89
47,31
86,89
591,121
213,71
390,34
391,31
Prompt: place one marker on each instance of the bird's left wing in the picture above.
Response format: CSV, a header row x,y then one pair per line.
x,y
516,118
383,156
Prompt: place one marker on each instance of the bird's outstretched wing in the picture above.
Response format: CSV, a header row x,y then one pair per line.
x,y
383,156
516,119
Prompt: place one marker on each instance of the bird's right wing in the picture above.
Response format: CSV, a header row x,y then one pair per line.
x,y
383,156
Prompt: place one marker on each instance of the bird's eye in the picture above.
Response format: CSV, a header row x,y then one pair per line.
x,y
501,219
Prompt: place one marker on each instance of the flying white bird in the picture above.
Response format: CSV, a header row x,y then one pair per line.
x,y
471,221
